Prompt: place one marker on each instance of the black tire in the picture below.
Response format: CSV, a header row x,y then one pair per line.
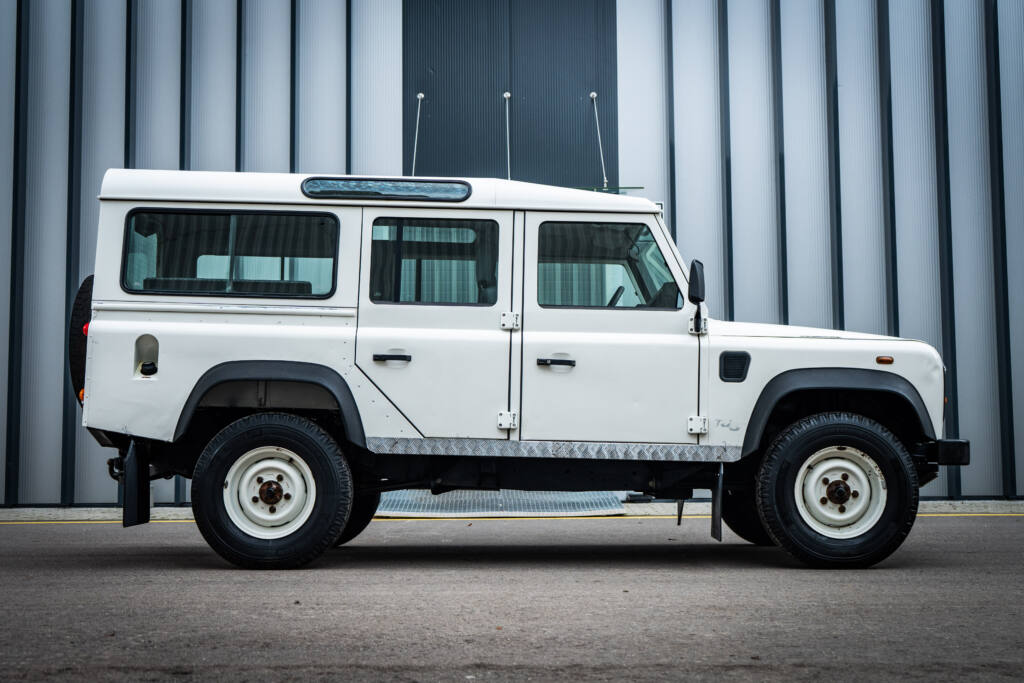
x,y
81,314
364,507
776,496
330,507
739,512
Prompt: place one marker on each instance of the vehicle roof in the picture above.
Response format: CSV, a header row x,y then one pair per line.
x,y
285,188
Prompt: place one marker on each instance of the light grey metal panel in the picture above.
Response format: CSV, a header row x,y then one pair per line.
x,y
158,107
860,164
754,230
642,106
103,54
266,86
806,156
1011,57
972,245
321,86
376,87
913,121
8,45
212,114
699,220
45,226
157,84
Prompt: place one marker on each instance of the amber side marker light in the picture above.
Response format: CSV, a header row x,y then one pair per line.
x,y
81,395
883,360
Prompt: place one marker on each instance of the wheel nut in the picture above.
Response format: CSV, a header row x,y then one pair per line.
x,y
845,476
280,477
855,494
842,508
825,481
824,500
259,480
273,509
287,496
255,499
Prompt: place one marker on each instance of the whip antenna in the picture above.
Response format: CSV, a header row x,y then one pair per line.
x,y
416,136
600,148
508,151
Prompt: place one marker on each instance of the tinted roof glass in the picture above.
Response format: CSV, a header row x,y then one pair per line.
x,y
354,188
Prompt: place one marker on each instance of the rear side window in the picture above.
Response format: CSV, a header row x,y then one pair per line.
x,y
603,265
429,261
268,254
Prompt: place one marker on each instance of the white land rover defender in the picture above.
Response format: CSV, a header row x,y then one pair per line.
x,y
297,345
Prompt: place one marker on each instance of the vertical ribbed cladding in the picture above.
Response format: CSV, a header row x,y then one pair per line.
x,y
754,229
457,54
1011,60
45,238
266,72
102,148
700,215
863,233
806,163
212,95
321,72
914,181
554,139
971,225
376,87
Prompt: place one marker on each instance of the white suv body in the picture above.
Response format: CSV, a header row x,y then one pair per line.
x,y
433,321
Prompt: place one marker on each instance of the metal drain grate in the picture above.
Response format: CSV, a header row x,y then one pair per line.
x,y
503,503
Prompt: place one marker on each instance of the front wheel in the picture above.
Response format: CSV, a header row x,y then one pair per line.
x,y
837,490
271,491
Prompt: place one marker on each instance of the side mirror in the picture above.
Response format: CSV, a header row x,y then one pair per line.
x,y
695,292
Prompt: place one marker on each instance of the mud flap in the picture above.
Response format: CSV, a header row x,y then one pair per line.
x,y
716,504
136,486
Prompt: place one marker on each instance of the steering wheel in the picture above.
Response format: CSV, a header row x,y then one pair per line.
x,y
616,296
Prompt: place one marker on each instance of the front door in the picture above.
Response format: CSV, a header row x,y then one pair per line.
x,y
606,352
432,289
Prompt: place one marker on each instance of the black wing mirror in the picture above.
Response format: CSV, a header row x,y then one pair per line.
x,y
695,292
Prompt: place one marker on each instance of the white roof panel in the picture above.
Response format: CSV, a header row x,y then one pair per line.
x,y
285,188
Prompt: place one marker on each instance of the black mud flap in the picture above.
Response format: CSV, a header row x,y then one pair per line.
x,y
136,485
716,504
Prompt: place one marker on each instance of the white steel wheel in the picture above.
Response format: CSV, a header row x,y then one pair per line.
x,y
269,492
840,492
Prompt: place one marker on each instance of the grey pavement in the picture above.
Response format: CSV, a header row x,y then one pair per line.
x,y
455,600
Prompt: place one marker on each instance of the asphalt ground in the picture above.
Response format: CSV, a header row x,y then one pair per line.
x,y
525,599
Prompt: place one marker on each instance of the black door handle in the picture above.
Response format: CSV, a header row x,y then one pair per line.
x,y
392,356
557,361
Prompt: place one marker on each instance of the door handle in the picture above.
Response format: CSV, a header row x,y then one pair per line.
x,y
557,361
381,357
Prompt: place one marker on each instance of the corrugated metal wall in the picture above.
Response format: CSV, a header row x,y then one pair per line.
x,y
794,142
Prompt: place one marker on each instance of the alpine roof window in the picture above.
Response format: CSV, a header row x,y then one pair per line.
x,y
368,188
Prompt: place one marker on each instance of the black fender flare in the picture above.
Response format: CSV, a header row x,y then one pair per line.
x,y
276,370
836,379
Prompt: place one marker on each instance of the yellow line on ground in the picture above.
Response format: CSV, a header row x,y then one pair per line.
x,y
481,519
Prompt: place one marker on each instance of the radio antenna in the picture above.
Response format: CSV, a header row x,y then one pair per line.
x,y
508,146
600,147
416,136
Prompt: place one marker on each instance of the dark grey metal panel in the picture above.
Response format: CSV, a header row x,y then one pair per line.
x,y
456,52
561,52
8,64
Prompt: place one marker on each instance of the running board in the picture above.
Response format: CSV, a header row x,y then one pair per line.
x,y
576,450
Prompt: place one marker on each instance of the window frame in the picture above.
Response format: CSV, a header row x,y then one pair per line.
x,y
654,237
228,212
369,271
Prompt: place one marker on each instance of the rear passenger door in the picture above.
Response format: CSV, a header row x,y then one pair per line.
x,y
433,285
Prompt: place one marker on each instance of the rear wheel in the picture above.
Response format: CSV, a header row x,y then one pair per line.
x,y
364,507
271,491
837,490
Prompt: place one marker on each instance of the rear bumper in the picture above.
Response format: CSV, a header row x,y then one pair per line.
x,y
950,452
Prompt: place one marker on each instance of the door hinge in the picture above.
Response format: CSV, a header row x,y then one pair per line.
x,y
697,424
510,321
698,323
508,419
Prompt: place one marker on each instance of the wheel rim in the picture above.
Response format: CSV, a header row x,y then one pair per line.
x,y
269,492
840,492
